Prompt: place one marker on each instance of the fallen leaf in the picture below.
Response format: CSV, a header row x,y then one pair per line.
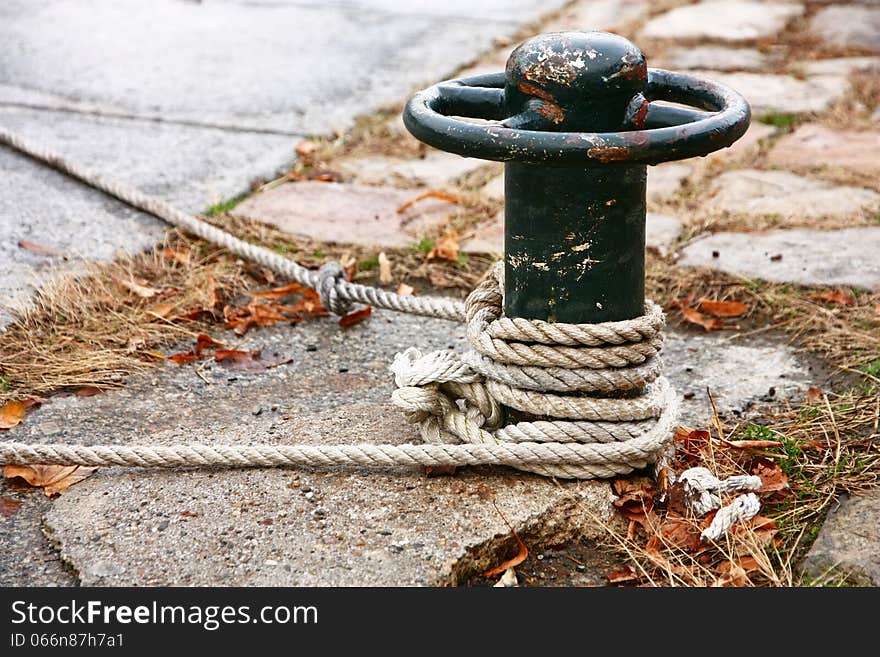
x,y
772,476
723,308
40,249
751,444
838,297
512,562
307,151
205,341
53,479
246,361
11,414
140,289
183,358
814,395
161,310
405,290
446,247
33,402
8,506
385,275
279,292
624,575
355,317
88,391
434,193
179,256
694,316
678,532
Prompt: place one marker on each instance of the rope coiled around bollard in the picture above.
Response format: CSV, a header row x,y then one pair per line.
x,y
610,410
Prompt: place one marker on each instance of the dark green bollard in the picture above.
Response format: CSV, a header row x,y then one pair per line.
x,y
576,127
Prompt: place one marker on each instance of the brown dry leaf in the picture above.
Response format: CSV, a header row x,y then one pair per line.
x,y
723,308
161,310
140,288
516,560
40,249
183,358
679,532
11,414
404,290
814,395
694,316
434,193
355,317
307,151
772,476
627,574
53,479
279,292
730,574
88,391
205,341
246,361
446,248
8,506
838,296
182,257
385,275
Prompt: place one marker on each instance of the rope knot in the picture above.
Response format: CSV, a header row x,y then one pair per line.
x,y
328,276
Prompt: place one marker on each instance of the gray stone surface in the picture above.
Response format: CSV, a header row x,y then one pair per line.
x,y
385,526
849,27
606,15
665,180
746,146
841,65
738,373
808,257
261,65
814,146
258,74
661,232
783,94
848,544
347,213
722,20
487,237
753,192
436,170
494,189
717,58
360,526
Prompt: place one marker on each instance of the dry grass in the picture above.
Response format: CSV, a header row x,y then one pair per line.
x,y
826,446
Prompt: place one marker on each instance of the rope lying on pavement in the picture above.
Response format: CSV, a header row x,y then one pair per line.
x,y
610,411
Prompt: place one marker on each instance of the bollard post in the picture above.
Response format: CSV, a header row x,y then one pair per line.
x,y
575,119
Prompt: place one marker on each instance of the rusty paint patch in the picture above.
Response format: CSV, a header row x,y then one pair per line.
x,y
609,153
537,92
641,116
551,112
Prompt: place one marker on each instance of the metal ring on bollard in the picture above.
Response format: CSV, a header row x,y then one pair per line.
x,y
667,132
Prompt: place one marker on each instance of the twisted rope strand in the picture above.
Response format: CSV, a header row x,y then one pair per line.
x,y
457,403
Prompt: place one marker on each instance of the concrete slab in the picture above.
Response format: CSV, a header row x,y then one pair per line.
x,y
845,257
436,170
849,27
665,180
275,65
347,213
814,146
661,232
717,58
783,94
737,20
754,192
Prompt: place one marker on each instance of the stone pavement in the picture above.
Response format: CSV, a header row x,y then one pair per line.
x,y
397,527
194,101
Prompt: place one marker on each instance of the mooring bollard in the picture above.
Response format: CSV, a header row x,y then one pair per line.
x,y
575,120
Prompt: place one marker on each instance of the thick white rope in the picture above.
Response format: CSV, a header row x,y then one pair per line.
x,y
702,494
555,371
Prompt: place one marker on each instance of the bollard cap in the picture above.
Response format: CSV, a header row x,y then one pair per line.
x,y
579,81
